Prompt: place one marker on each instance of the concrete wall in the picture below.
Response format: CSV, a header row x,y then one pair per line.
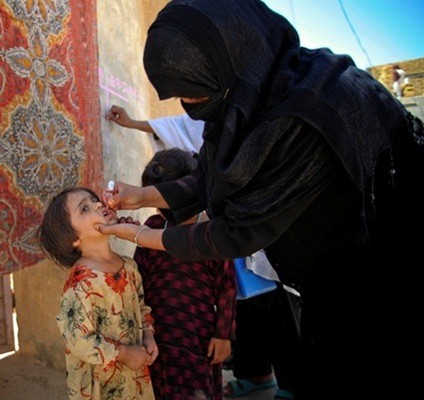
x,y
122,27
122,31
37,293
415,105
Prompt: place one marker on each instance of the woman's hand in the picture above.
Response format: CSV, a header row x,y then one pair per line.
x,y
128,220
126,231
123,197
130,197
141,235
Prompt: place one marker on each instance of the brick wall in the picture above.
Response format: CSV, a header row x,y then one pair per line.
x,y
414,71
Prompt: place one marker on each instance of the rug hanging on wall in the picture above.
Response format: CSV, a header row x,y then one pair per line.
x,y
49,115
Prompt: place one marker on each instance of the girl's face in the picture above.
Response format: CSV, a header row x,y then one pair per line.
x,y
86,211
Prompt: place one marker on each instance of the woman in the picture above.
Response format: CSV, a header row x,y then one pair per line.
x,y
308,157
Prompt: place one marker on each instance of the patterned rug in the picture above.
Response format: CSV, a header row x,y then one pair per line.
x,y
49,115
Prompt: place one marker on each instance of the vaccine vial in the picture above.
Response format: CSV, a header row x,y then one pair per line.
x,y
109,192
110,186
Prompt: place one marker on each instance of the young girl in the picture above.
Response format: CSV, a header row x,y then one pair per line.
x,y
103,319
193,303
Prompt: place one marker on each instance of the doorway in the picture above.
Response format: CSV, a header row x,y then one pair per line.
x,y
7,334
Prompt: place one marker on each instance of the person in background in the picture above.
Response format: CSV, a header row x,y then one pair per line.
x,y
398,80
106,325
193,303
174,131
311,159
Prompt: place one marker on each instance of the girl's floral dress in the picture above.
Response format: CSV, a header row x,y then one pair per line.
x,y
98,312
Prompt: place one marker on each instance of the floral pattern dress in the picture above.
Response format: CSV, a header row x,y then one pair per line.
x,y
99,312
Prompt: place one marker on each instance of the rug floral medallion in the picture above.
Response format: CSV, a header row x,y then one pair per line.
x,y
49,115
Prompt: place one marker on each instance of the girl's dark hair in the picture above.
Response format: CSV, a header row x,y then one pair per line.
x,y
56,234
168,165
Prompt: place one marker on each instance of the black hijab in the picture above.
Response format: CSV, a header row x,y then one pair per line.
x,y
248,60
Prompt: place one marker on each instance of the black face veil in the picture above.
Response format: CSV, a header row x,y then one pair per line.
x,y
207,49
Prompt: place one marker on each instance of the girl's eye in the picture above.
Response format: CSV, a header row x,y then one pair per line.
x,y
84,209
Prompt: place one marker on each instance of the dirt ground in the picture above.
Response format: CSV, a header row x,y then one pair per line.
x,y
24,378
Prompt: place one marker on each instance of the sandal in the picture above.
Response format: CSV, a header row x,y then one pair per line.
x,y
242,387
284,394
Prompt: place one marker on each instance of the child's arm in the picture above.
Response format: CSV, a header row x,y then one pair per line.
x,y
225,288
147,322
121,117
219,350
226,291
146,318
149,343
